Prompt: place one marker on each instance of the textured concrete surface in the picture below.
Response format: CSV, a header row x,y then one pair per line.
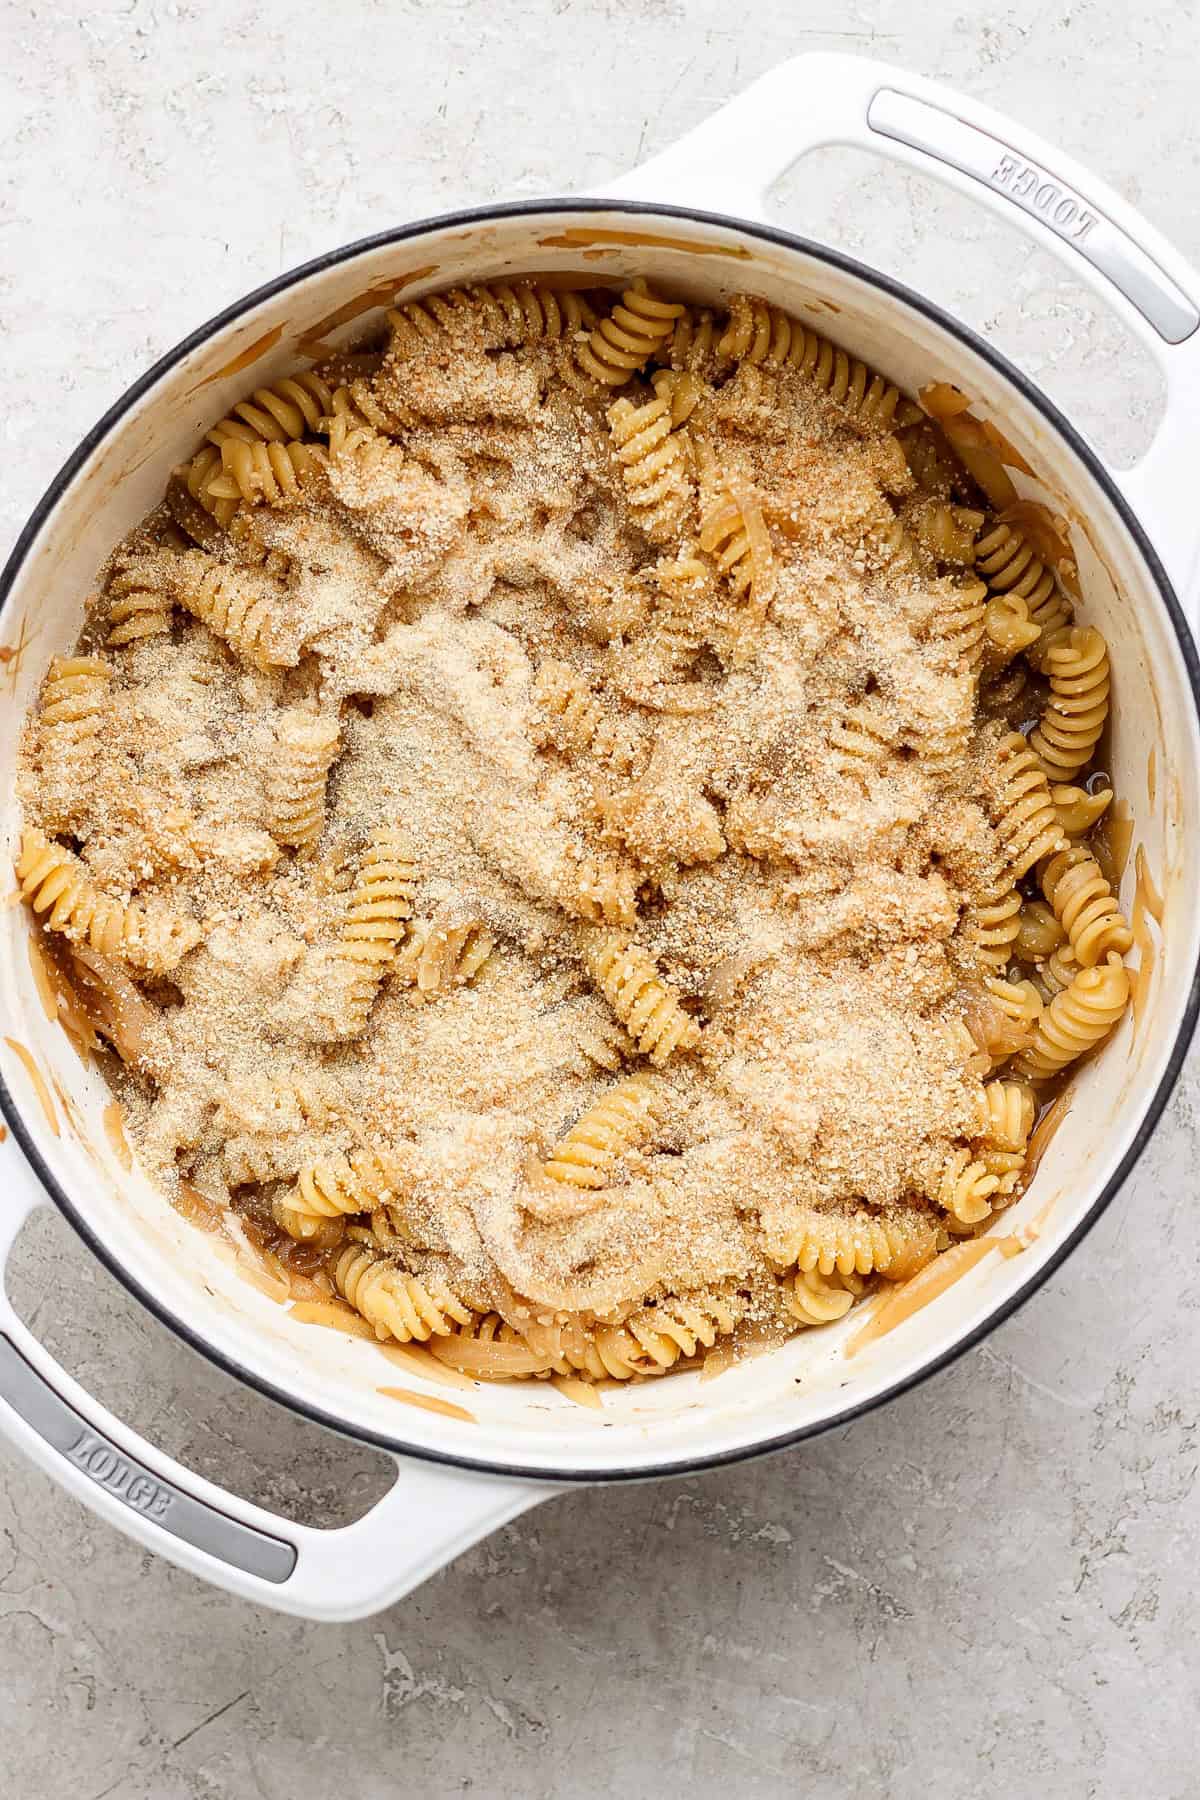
x,y
988,1589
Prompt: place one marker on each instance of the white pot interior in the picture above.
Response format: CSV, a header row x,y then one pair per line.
x,y
649,1426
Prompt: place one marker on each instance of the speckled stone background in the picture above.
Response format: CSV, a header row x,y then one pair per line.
x,y
988,1589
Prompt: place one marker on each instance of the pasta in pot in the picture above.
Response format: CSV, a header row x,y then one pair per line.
x,y
534,823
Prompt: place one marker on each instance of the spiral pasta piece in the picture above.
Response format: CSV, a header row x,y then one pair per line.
x,y
578,723
1085,906
1076,1020
190,483
965,1188
1010,1114
398,1305
861,740
678,1326
638,328
1058,971
239,605
993,921
760,333
598,888
1039,932
958,626
288,409
74,706
646,1005
858,1243
945,532
440,954
1018,1001
1077,810
379,904
307,744
621,1118
734,534
55,884
815,1299
261,473
1076,662
334,1188
137,609
1009,565
654,461
694,341
1009,629
1028,823
504,315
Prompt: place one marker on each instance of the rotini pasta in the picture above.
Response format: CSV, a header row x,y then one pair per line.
x,y
137,609
288,409
994,921
1076,662
265,474
578,724
504,315
815,1299
761,333
965,1188
1028,823
678,647
654,461
946,532
55,885
307,744
1077,809
621,1118
1085,906
647,1007
74,705
442,953
239,605
1077,1019
1038,932
733,533
1002,1150
638,328
1009,629
398,1305
380,903
1009,565
958,626
861,1242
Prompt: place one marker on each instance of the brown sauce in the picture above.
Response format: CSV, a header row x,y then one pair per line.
x,y
244,358
580,237
1042,1135
1112,839
908,1297
37,1082
1147,904
1152,776
114,1131
378,294
429,1403
193,1206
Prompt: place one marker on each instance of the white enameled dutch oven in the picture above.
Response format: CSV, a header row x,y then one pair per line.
x,y
692,221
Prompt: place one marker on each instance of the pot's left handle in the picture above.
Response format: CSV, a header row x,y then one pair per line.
x,y
428,1516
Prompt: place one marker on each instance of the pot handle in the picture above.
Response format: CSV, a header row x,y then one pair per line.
x,y
729,163
428,1516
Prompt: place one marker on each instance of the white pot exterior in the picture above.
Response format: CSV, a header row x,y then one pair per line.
x,y
529,1430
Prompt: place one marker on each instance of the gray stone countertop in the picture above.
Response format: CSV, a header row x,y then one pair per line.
x,y
988,1588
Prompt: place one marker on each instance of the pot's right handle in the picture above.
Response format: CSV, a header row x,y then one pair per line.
x,y
427,1517
729,163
